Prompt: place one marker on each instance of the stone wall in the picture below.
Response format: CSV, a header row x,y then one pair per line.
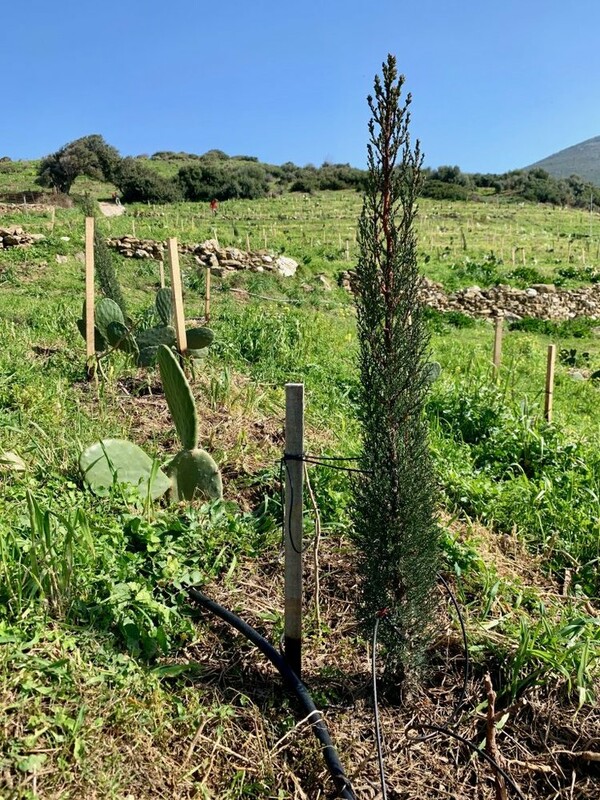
x,y
16,237
541,300
209,254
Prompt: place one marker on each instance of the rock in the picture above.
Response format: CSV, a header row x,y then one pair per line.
x,y
324,282
544,288
62,259
575,375
65,238
531,292
286,266
80,257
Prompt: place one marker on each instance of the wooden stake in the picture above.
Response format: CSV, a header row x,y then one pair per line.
x,y
549,395
498,329
90,346
177,295
294,447
161,274
207,296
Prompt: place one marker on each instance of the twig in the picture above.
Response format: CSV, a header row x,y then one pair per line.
x,y
490,738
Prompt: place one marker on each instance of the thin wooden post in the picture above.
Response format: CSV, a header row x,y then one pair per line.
x,y
294,470
498,330
161,274
90,344
207,295
549,395
180,333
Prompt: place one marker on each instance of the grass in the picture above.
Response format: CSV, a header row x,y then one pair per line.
x,y
110,685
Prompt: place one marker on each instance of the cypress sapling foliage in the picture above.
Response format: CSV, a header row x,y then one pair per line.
x,y
103,261
394,512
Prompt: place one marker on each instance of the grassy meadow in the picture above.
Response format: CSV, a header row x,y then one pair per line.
x,y
113,686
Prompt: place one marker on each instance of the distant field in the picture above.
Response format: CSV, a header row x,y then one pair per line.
x,y
107,674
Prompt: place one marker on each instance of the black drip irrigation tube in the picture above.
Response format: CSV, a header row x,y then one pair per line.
x,y
342,784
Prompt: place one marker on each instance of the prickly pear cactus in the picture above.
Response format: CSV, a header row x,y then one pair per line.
x,y
99,341
119,337
164,305
106,312
147,357
153,337
179,398
199,338
194,473
113,461
195,476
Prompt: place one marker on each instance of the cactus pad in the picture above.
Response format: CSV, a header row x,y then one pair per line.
x,y
99,341
164,305
199,338
179,398
107,311
195,476
113,461
147,357
196,353
119,337
153,337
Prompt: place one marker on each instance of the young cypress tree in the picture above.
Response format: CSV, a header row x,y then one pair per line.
x,y
394,515
106,274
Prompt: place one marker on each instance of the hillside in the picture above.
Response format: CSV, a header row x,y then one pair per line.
x,y
581,159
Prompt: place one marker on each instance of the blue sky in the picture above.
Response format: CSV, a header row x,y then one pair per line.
x,y
496,85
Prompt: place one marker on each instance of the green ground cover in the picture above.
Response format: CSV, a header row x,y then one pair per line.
x,y
99,671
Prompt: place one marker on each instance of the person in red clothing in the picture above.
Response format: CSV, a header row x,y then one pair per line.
x,y
214,206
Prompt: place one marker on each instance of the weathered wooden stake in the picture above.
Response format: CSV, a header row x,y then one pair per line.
x,y
498,330
294,467
161,274
177,295
90,345
207,296
549,395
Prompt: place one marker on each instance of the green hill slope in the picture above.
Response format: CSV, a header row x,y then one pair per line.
x,y
581,159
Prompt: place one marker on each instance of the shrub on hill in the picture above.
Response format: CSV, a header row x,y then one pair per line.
x,y
438,190
139,183
215,179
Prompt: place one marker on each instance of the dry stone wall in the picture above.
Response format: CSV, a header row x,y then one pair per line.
x,y
209,254
541,300
16,237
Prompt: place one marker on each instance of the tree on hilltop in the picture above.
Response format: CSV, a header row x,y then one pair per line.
x,y
90,156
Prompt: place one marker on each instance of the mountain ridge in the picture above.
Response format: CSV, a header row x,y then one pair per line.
x,y
581,159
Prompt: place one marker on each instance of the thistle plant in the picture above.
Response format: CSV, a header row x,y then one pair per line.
x,y
394,520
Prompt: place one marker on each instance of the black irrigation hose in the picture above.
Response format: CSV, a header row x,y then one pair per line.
x,y
342,784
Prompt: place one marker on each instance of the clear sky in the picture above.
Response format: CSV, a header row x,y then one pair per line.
x,y
496,84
